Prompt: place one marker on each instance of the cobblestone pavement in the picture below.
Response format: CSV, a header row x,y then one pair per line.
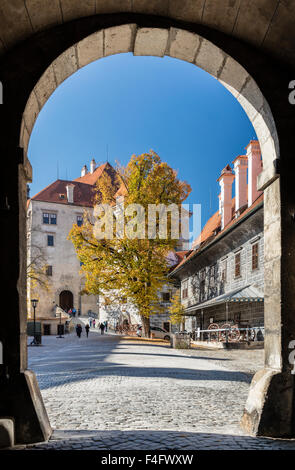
x,y
107,393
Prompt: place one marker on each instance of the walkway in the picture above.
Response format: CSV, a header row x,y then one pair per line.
x,y
107,393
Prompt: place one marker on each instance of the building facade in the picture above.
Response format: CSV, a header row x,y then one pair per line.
x,y
222,277
50,216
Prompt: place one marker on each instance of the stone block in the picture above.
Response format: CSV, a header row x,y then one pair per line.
x,y
186,10
113,6
90,49
151,41
268,175
233,75
150,7
45,86
272,202
65,65
42,15
183,44
25,140
252,94
14,22
221,15
119,39
272,240
210,58
247,107
31,112
6,432
72,9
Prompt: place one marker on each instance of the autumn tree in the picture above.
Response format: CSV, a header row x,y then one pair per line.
x,y
130,258
176,309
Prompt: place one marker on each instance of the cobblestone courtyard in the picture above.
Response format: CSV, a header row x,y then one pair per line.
x,y
107,393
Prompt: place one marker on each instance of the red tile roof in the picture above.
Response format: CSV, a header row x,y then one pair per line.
x,y
209,232
83,188
91,178
83,193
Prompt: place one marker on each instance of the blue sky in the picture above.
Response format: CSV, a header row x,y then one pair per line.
x,y
129,105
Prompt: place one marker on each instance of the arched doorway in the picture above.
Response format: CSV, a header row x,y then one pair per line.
x,y
269,410
66,300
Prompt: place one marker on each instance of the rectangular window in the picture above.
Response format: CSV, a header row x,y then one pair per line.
x,y
255,256
166,296
238,265
79,220
224,270
50,240
185,290
49,270
52,219
45,218
49,218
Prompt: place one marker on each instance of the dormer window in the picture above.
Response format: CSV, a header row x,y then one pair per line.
x,y
62,196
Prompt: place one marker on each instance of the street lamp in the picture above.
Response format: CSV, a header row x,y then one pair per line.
x,y
60,335
34,305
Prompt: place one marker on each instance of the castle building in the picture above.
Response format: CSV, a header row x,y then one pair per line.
x,y
50,216
222,277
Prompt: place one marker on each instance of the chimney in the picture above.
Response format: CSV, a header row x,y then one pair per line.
x,y
226,180
219,204
92,166
84,170
241,191
70,193
255,167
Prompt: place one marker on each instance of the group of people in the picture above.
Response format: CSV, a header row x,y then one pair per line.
x,y
72,312
103,327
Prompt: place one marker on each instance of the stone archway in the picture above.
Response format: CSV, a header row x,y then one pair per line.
x,y
258,85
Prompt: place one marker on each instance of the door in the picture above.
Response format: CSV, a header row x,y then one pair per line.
x,y
66,300
46,329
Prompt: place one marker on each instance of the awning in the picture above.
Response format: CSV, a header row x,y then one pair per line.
x,y
243,294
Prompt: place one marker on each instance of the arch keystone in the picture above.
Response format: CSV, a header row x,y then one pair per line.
x,y
183,44
151,41
119,39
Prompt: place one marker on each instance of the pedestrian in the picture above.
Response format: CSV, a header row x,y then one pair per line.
x,y
79,330
93,323
87,327
106,325
70,311
90,322
74,311
101,326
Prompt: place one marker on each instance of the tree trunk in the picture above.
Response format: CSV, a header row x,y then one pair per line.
x,y
145,326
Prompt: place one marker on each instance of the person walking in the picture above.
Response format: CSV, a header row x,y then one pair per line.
x,y
93,323
79,330
90,322
74,311
87,328
106,325
101,326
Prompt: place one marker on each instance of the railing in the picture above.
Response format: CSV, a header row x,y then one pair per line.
x,y
230,335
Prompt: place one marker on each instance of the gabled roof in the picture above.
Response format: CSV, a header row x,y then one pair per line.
x,y
83,193
212,232
91,178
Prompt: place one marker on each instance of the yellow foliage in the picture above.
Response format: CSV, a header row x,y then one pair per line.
x,y
135,268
